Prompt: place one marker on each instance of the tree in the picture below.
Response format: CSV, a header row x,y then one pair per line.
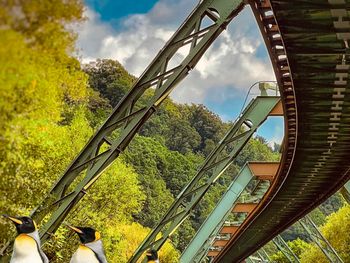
x,y
109,78
43,24
108,207
298,246
335,230
207,124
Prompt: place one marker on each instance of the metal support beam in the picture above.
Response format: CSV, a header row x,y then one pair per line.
x,y
320,240
263,255
345,191
284,248
214,165
200,29
256,258
206,236
214,221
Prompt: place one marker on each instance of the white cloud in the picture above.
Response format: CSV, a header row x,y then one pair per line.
x,y
230,65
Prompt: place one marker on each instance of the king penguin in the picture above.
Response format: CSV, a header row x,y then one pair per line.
x,y
27,247
91,250
152,256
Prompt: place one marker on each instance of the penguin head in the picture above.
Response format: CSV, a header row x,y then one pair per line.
x,y
86,234
24,224
152,255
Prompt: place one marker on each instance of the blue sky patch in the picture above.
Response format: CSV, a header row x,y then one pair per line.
x,y
113,10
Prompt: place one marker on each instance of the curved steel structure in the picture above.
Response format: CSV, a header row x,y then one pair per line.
x,y
308,43
309,49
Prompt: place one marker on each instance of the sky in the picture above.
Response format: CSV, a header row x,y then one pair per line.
x,y
133,32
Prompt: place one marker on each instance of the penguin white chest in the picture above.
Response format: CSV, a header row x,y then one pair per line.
x,y
25,250
84,255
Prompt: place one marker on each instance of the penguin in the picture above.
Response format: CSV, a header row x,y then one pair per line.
x,y
152,256
91,248
27,247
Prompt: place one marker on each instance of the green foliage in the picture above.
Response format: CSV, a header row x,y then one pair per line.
x,y
170,148
333,203
35,147
208,125
43,24
45,123
297,246
34,86
255,150
109,205
163,174
313,254
125,238
335,230
110,79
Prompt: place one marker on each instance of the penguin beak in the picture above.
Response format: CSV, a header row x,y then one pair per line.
x,y
13,219
75,229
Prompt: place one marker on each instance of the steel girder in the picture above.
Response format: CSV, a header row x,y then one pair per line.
x,y
212,232
205,236
284,248
345,191
257,258
263,255
319,84
317,237
160,77
214,165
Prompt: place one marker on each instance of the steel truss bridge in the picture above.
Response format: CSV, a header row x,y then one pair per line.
x,y
308,44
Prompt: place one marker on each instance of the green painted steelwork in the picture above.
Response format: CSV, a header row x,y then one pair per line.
x,y
256,258
284,248
211,226
252,192
160,77
346,192
320,240
263,255
214,165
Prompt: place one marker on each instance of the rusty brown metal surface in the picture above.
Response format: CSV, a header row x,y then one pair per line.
x,y
264,171
213,253
308,45
228,229
278,110
220,243
244,208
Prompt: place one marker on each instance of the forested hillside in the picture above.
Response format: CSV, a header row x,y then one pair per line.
x,y
169,148
50,105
